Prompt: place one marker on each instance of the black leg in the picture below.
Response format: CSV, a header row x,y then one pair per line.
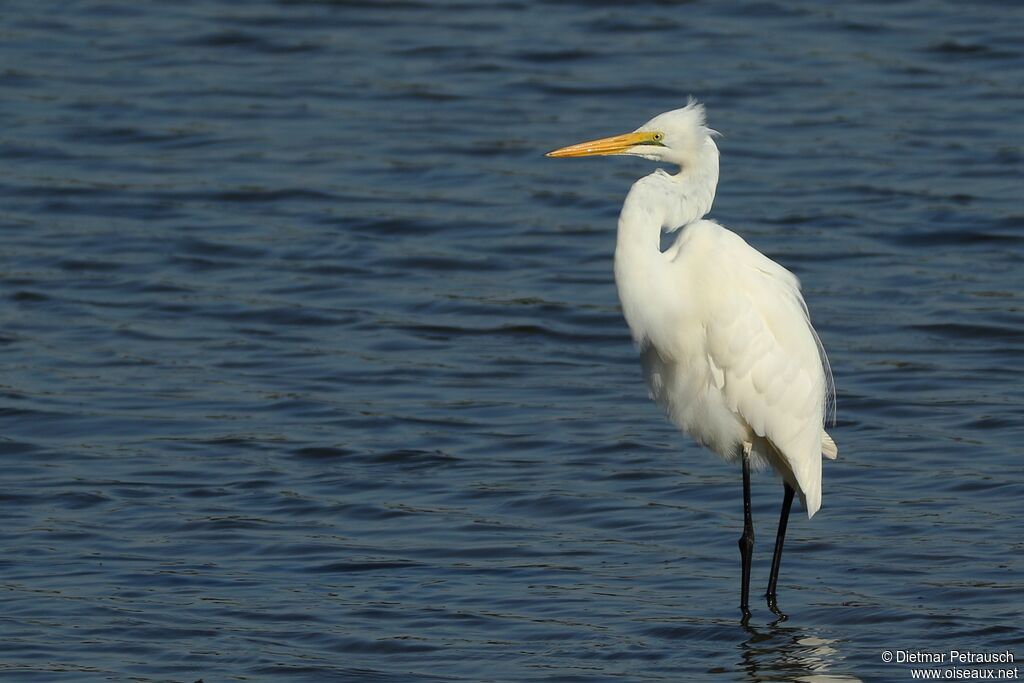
x,y
773,578
746,541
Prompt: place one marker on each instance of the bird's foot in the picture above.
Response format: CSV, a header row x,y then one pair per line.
x,y
774,607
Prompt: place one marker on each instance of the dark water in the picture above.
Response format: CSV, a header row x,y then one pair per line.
x,y
312,367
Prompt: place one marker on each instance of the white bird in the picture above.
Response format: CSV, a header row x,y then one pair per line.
x,y
725,338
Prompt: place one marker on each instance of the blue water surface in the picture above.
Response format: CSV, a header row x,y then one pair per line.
x,y
313,368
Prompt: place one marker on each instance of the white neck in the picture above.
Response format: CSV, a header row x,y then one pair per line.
x,y
657,202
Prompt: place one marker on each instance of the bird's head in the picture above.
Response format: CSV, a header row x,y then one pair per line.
x,y
680,137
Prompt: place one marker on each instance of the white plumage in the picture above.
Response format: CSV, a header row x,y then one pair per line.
x,y
726,341
735,361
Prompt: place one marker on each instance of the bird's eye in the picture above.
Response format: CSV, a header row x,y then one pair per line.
x,y
658,137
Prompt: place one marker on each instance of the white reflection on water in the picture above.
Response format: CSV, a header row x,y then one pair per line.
x,y
789,654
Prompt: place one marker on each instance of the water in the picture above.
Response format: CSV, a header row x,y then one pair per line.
x,y
313,368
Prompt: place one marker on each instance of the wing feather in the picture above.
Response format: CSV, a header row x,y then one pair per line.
x,y
764,354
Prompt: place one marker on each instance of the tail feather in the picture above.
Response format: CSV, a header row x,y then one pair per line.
x,y
828,447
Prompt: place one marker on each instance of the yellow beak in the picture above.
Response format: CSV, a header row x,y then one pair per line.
x,y
617,144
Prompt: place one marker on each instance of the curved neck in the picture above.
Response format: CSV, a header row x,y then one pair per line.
x,y
662,201
657,202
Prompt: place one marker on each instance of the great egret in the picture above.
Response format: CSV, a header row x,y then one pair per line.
x,y
725,339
